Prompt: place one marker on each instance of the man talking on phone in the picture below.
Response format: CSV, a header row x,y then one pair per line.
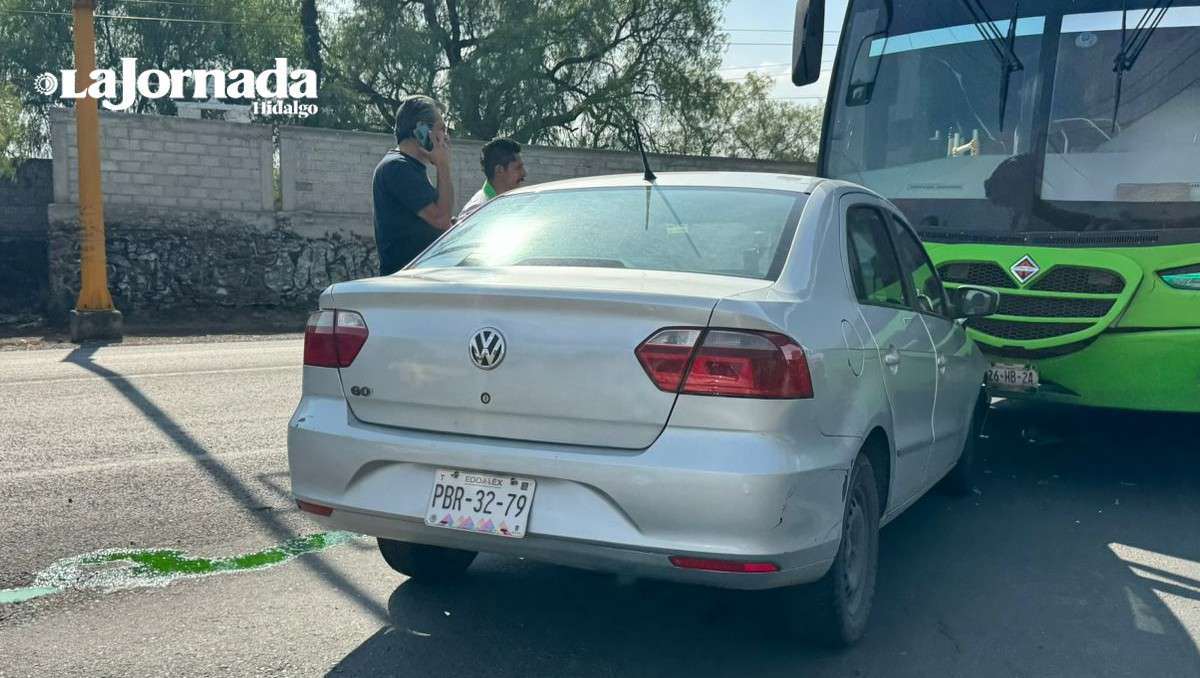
x,y
409,212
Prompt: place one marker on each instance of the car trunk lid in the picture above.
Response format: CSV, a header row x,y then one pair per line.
x,y
568,373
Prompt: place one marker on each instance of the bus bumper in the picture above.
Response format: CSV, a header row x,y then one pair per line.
x,y
1148,370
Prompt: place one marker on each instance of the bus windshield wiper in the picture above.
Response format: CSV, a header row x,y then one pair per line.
x,y
1132,45
1002,46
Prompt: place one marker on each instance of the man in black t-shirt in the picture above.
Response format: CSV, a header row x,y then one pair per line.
x,y
409,212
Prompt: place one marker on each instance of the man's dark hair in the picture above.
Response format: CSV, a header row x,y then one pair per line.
x,y
413,109
500,152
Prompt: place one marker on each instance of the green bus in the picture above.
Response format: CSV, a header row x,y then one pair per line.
x,y
1049,150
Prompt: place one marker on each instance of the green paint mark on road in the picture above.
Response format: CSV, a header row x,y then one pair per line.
x,y
162,562
115,569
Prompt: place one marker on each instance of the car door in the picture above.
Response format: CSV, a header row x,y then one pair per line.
x,y
954,394
905,351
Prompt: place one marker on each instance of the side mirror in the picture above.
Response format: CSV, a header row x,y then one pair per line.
x,y
974,302
807,40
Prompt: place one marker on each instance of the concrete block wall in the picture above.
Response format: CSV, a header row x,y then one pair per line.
x,y
168,162
192,221
330,170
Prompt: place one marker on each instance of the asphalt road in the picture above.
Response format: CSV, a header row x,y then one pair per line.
x,y
1079,554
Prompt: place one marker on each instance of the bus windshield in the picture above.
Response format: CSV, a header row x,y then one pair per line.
x,y
997,118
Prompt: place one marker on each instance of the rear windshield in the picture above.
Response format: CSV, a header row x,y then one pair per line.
x,y
720,231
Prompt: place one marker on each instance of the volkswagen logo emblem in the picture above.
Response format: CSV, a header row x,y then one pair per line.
x,y
487,348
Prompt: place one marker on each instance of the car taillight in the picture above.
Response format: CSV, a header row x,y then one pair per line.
x,y
737,363
333,338
665,356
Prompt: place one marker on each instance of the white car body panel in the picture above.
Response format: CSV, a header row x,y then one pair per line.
x,y
627,474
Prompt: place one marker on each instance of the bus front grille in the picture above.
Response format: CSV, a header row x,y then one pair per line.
x,y
1053,307
975,273
1017,330
1079,280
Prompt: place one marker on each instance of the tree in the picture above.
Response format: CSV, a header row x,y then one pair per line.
x,y
18,132
35,37
535,70
310,25
559,72
746,123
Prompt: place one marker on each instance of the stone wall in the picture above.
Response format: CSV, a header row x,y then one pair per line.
x,y
192,220
195,259
23,222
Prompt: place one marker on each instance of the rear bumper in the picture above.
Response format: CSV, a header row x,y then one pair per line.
x,y
705,493
1151,370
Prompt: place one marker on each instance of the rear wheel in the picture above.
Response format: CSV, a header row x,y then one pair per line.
x,y
425,563
834,610
961,479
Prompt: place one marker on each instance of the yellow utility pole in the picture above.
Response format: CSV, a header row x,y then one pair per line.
x,y
94,316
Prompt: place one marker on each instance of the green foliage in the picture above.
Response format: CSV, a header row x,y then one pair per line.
x,y
18,132
542,71
560,72
746,123
31,44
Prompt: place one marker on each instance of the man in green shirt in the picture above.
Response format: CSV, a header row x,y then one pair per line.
x,y
505,170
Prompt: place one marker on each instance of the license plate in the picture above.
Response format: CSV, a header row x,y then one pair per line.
x,y
480,502
1013,377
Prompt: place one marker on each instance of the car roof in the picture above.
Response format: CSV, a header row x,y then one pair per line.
x,y
796,183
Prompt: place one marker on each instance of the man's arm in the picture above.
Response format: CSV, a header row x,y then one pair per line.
x,y
438,214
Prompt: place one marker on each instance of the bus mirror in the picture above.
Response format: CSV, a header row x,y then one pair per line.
x,y
807,41
865,69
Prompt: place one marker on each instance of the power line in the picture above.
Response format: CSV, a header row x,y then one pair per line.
x,y
767,30
740,68
153,18
177,3
130,17
777,44
828,61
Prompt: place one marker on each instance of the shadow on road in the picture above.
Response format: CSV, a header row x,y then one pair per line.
x,y
226,479
1077,556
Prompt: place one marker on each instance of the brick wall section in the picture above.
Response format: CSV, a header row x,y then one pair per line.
x,y
23,222
168,162
330,170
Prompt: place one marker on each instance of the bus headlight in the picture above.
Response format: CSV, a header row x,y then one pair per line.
x,y
1182,278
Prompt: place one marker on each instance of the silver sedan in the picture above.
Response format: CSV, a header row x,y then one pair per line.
x,y
729,379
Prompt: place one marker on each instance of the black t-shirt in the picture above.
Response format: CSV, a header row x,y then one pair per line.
x,y
401,189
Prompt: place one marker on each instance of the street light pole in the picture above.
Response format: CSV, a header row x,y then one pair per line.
x,y
94,316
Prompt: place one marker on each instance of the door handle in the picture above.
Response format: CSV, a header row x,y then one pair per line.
x,y
892,357
941,363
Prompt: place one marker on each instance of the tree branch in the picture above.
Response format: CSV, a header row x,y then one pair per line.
x,y
453,55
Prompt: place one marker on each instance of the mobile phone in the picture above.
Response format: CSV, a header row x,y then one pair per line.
x,y
424,135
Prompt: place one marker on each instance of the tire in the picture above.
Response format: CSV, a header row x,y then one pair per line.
x,y
425,563
834,610
961,479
